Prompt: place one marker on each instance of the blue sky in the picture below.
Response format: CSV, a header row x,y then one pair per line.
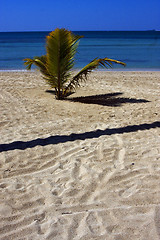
x,y
46,15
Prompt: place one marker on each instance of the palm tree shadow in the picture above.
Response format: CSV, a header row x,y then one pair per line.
x,y
76,136
110,99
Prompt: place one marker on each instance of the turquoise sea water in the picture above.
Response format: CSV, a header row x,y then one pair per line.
x,y
140,50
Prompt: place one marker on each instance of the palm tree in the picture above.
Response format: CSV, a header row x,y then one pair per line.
x,y
56,65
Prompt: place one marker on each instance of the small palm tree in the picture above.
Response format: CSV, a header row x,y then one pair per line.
x,y
56,65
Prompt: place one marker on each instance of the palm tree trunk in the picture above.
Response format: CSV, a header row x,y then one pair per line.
x,y
59,78
59,88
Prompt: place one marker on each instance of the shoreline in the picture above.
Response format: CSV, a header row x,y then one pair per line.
x,y
97,70
82,168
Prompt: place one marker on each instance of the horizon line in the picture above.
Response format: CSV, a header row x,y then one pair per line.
x,y
152,30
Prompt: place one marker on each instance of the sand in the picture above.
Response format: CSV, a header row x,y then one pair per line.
x,y
82,168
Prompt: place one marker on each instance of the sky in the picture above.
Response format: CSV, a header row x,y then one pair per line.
x,y
104,15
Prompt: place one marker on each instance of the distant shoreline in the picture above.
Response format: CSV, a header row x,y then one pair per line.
x,y
98,70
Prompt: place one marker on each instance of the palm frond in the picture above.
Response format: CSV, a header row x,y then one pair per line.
x,y
28,63
82,75
39,62
61,48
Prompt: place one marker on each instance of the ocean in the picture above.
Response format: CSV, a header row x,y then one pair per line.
x,y
140,50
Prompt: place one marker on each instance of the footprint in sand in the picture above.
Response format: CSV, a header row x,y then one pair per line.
x,y
119,163
129,191
157,220
5,210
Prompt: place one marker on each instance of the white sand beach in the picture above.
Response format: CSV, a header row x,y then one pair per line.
x,y
83,168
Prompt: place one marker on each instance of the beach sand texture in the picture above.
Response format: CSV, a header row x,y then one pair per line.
x,y
83,168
